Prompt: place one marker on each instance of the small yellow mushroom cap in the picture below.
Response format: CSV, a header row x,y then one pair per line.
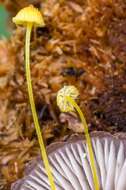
x,y
27,15
63,93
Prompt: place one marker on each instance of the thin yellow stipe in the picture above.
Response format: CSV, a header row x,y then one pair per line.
x,y
91,155
32,103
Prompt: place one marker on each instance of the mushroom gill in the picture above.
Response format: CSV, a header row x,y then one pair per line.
x,y
71,166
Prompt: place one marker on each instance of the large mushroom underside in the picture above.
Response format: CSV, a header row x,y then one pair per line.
x,y
71,168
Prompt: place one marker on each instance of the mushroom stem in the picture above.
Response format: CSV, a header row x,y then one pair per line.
x,y
88,140
32,104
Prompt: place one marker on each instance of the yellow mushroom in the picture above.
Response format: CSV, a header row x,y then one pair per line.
x,y
29,17
66,101
62,103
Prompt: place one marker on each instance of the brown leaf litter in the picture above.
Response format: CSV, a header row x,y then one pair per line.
x,y
82,44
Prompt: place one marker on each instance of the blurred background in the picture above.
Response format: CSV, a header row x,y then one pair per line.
x,y
4,28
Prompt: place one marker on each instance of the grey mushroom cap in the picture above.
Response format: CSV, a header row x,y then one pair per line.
x,y
71,168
